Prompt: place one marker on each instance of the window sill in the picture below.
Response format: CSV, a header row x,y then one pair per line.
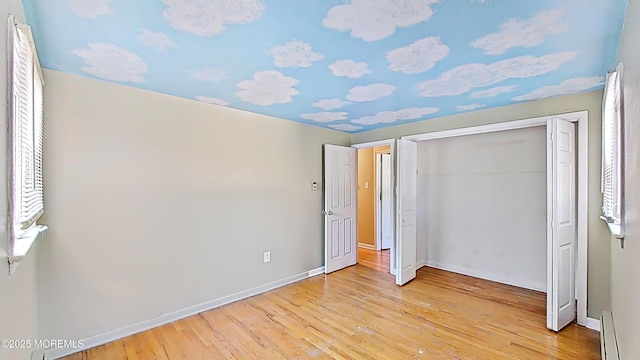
x,y
22,246
615,228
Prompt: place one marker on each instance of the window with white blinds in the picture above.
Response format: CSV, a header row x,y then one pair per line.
x,y
612,200
26,200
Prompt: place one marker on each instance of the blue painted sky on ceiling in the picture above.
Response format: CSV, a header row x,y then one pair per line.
x,y
348,65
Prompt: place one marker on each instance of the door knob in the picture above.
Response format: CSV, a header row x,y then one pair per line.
x,y
327,212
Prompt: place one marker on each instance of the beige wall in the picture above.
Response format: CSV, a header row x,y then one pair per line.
x,y
625,262
18,292
599,248
157,203
366,197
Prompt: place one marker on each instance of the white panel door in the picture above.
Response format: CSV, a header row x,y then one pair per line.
x,y
340,238
407,180
562,224
385,202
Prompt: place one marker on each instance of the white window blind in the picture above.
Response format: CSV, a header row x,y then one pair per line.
x,y
26,200
612,201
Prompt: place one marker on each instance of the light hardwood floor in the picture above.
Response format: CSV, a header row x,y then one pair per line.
x,y
376,260
359,313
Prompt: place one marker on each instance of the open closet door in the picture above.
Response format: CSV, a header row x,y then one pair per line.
x,y
562,224
406,229
340,237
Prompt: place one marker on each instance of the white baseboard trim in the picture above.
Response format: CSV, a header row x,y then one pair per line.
x,y
367,246
316,271
593,324
491,276
421,264
101,339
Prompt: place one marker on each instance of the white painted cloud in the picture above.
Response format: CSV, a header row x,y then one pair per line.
x,y
212,100
526,33
386,117
418,57
346,127
370,92
208,17
330,104
325,116
109,62
91,8
267,88
469,107
350,68
566,87
296,53
372,20
208,75
492,92
463,78
156,40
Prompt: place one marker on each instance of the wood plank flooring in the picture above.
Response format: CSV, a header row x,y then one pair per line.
x,y
359,313
377,260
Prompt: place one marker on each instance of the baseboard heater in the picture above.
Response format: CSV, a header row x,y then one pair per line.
x,y
608,342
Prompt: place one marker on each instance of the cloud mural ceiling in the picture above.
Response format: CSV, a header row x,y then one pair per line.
x,y
348,65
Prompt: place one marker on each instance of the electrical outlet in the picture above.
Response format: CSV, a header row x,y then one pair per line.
x,y
267,256
314,186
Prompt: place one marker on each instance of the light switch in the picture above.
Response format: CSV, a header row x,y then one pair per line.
x,y
314,186
366,184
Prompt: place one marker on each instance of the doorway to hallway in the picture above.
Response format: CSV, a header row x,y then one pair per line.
x,y
374,199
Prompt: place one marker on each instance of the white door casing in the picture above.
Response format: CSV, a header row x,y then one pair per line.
x,y
385,202
561,223
340,171
406,211
378,200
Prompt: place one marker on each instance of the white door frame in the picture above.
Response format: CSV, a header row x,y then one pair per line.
x,y
582,119
392,148
378,238
379,235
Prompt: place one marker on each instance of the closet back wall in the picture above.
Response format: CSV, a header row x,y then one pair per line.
x,y
482,205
